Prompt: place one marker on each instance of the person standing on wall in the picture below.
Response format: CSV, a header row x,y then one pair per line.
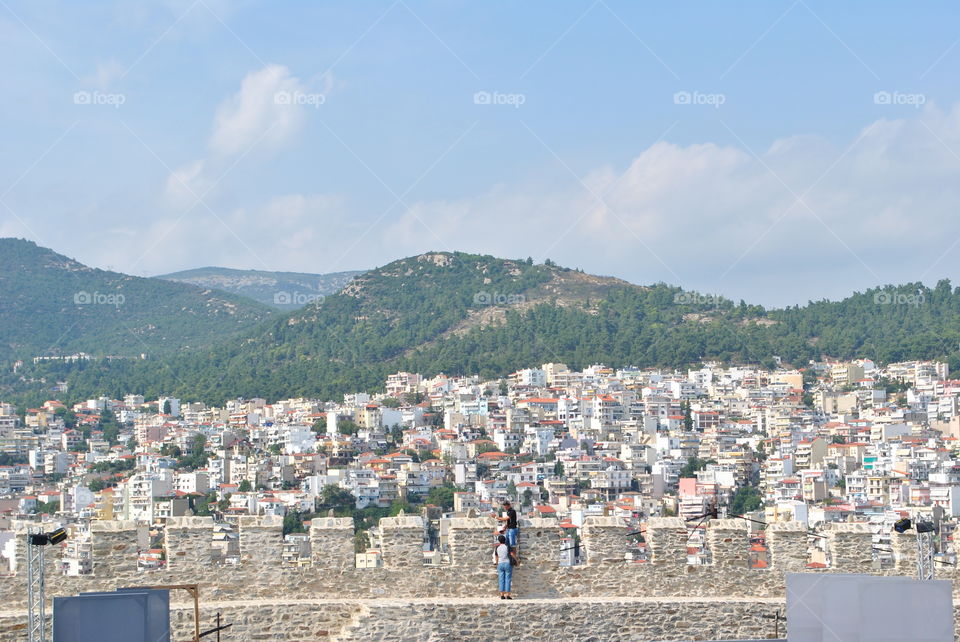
x,y
509,519
504,557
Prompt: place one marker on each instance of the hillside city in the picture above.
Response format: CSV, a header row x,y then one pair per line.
x,y
832,442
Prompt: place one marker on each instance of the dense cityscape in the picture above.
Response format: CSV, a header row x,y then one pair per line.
x,y
833,442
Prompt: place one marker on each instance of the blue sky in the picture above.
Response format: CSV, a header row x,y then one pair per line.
x,y
772,151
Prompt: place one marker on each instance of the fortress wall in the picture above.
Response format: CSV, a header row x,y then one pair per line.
x,y
787,544
188,542
483,620
331,543
729,543
333,575
851,547
401,541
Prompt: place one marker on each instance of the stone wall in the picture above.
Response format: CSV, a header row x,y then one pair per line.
x,y
188,542
332,574
851,547
401,541
728,541
331,543
115,547
787,544
636,593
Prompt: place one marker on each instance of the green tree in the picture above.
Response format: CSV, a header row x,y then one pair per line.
x,y
96,485
245,486
347,427
693,465
110,427
487,447
441,496
527,497
401,505
293,523
339,499
745,499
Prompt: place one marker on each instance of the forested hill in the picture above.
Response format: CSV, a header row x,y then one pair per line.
x,y
281,290
53,305
461,313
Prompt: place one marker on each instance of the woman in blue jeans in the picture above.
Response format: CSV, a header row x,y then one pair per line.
x,y
502,558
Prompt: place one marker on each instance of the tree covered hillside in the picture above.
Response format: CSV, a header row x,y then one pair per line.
x,y
460,314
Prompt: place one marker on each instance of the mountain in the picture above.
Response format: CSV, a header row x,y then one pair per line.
x,y
462,314
53,305
281,290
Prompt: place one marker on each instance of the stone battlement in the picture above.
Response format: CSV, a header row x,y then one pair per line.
x,y
331,572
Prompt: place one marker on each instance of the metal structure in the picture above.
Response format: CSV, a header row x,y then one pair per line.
x,y
925,552
926,530
36,599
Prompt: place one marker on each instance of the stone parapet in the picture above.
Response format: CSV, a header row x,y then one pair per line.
x,y
401,541
605,539
332,543
851,547
188,542
667,540
788,544
539,541
471,540
728,542
261,539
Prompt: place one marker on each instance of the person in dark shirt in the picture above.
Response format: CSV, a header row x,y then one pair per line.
x,y
509,518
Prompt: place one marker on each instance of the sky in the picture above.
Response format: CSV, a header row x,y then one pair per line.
x,y
776,152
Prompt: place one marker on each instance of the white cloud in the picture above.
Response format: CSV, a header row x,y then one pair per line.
x,y
262,117
876,208
879,209
258,113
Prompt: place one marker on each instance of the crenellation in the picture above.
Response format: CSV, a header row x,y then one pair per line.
x,y
904,547
851,547
728,542
188,542
471,541
332,543
788,546
115,547
539,541
401,541
605,539
261,540
605,573
667,540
